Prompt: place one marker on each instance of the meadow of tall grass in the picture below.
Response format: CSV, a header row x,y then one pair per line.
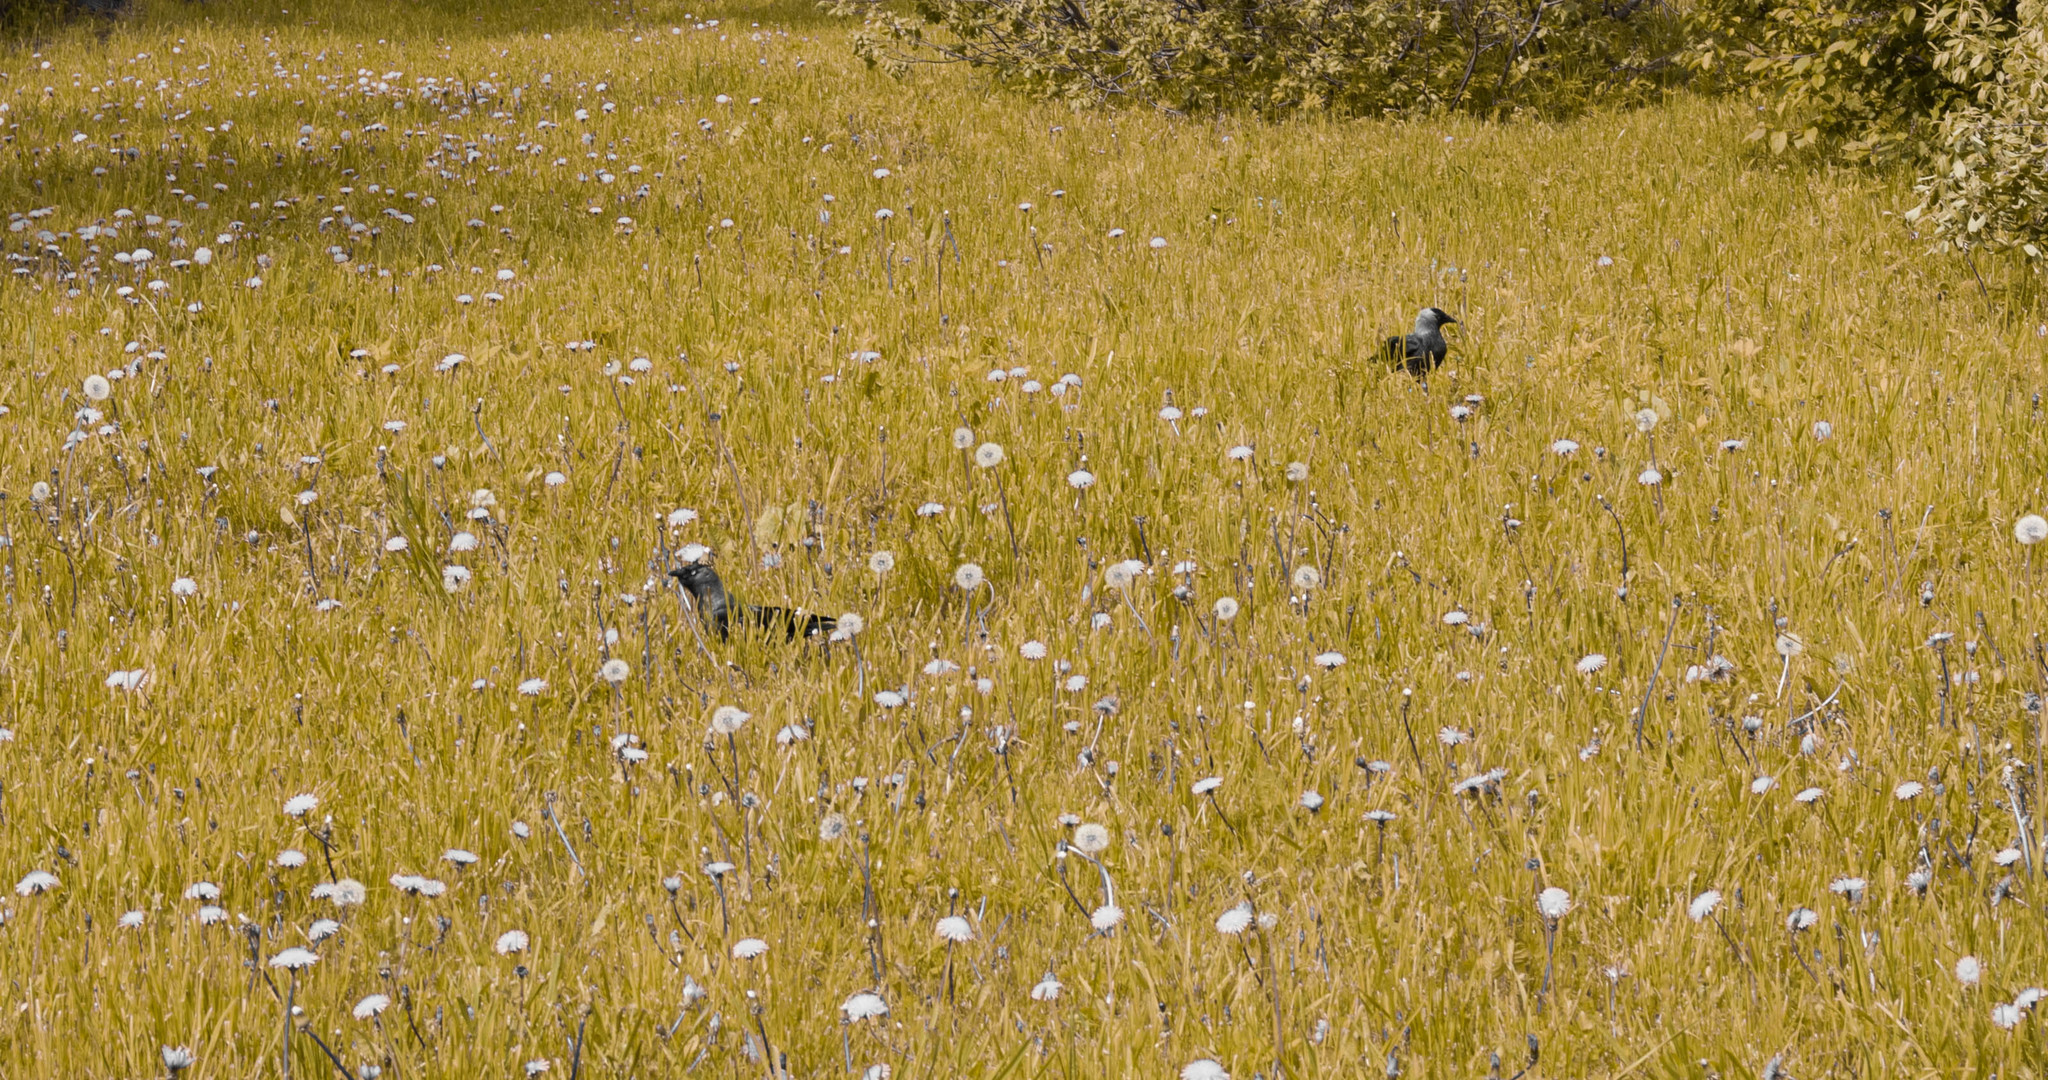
x,y
366,368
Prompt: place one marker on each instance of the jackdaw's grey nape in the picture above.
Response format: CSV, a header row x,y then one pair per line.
x,y
717,608
1424,347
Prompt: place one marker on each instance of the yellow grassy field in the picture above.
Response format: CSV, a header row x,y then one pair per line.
x,y
393,472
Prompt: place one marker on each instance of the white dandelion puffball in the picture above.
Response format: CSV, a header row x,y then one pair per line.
x,y
1235,921
1032,650
532,687
371,1006
178,1058
1646,420
2030,530
1204,1069
1564,448
1801,918
133,920
1091,838
1908,790
1808,795
614,671
1704,904
1762,784
969,577
1650,477
748,948
1969,971
1590,663
35,881
300,805
954,929
2006,1017
511,941
1297,471
1119,575
692,553
97,388
1822,431
729,719
461,542
1158,242
1226,608
1307,577
679,518
291,858
1082,480
396,544
295,959
453,578
1046,989
1456,618
988,455
1106,917
963,438
1207,785
864,1006
1553,902
321,930
881,562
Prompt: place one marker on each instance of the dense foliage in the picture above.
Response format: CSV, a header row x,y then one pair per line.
x,y
1356,56
1988,187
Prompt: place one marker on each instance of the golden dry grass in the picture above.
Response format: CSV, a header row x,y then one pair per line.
x,y
1737,300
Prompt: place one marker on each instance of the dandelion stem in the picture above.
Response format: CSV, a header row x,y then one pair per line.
x,y
548,810
291,993
1643,711
338,1066
1002,496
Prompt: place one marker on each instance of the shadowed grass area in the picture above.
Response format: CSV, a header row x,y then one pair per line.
x,y
393,473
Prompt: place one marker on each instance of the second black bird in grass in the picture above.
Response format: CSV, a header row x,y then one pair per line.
x,y
718,608
1424,347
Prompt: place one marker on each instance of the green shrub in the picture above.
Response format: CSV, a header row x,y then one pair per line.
x,y
1871,79
1989,184
1351,56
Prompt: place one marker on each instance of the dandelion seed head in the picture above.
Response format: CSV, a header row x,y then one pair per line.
x,y
864,1006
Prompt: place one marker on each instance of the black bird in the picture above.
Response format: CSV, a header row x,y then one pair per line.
x,y
718,608
1423,349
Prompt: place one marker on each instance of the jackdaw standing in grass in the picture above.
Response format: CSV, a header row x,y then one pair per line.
x,y
1424,347
718,609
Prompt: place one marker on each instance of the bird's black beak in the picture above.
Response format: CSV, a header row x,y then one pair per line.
x,y
1449,319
